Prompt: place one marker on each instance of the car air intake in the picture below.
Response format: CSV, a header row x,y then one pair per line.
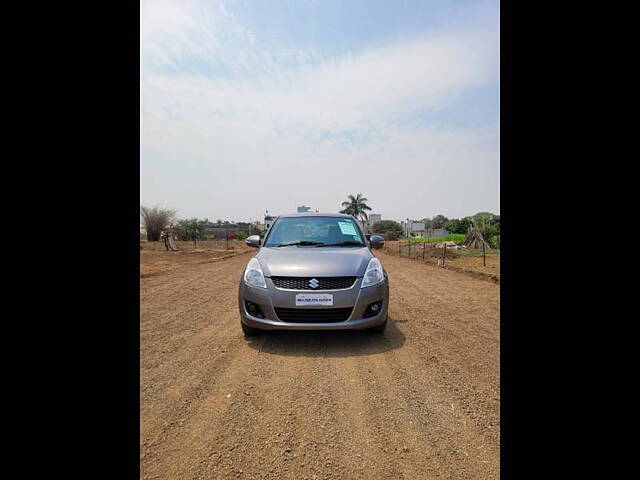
x,y
307,283
313,315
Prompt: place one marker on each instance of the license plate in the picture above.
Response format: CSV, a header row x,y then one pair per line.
x,y
313,299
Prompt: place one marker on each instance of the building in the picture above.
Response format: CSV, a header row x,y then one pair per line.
x,y
436,232
303,209
259,226
418,229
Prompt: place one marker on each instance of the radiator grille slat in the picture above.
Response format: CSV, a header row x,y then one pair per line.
x,y
313,315
324,283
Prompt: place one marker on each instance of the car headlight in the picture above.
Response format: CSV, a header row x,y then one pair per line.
x,y
253,275
373,275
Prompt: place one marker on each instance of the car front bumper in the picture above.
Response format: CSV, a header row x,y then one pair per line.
x,y
271,297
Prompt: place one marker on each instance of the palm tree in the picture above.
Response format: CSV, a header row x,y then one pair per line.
x,y
356,207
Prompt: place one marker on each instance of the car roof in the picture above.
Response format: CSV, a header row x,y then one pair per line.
x,y
315,214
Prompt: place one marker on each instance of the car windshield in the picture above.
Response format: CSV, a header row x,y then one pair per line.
x,y
314,232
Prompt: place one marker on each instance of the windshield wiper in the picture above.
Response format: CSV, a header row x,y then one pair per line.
x,y
301,242
341,244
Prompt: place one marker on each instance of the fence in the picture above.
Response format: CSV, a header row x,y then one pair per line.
x,y
190,245
478,263
424,251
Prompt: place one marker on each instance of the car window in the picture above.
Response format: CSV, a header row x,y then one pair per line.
x,y
313,229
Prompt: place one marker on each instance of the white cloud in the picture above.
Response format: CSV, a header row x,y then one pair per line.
x,y
213,100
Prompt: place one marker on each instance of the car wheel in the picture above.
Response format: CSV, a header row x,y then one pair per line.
x,y
379,328
250,331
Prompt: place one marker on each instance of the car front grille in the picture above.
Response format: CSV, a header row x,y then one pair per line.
x,y
322,283
313,315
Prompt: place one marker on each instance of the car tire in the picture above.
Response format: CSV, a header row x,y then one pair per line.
x,y
379,328
250,331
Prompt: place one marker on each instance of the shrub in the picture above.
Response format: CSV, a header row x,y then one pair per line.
x,y
391,235
155,220
386,226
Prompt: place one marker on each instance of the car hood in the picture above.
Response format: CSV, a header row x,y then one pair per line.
x,y
314,261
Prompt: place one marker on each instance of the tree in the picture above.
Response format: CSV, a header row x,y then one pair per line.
x,y
454,226
428,223
496,222
386,226
191,229
439,221
486,224
155,220
356,207
465,224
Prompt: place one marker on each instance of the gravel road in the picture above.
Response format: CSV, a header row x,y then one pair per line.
x,y
421,401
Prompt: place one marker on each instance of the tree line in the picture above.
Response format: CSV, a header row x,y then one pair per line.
x,y
157,220
488,224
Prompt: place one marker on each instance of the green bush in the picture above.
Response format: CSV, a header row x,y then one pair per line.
x,y
386,226
495,241
391,235
242,235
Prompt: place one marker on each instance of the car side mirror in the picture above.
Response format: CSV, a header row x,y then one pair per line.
x,y
376,241
253,241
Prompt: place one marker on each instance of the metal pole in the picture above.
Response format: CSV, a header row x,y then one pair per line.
x,y
484,258
444,254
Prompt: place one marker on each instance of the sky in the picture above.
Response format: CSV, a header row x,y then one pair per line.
x,y
248,106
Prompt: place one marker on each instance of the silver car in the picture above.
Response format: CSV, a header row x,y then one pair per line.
x,y
314,271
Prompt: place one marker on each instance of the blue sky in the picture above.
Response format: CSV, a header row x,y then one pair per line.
x,y
254,105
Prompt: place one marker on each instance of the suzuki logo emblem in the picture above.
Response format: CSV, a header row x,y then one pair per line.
x,y
313,283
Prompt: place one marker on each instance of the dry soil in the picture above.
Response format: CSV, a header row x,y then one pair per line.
x,y
419,402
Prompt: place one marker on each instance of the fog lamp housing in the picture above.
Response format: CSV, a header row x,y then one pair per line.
x,y
253,309
373,309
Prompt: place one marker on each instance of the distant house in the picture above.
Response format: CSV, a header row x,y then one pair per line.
x,y
436,232
303,209
418,229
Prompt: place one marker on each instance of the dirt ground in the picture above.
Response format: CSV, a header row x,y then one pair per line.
x,y
420,402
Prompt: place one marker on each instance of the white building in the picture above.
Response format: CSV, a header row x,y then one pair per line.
x,y
413,228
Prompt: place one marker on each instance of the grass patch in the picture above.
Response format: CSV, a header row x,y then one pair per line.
x,y
452,237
